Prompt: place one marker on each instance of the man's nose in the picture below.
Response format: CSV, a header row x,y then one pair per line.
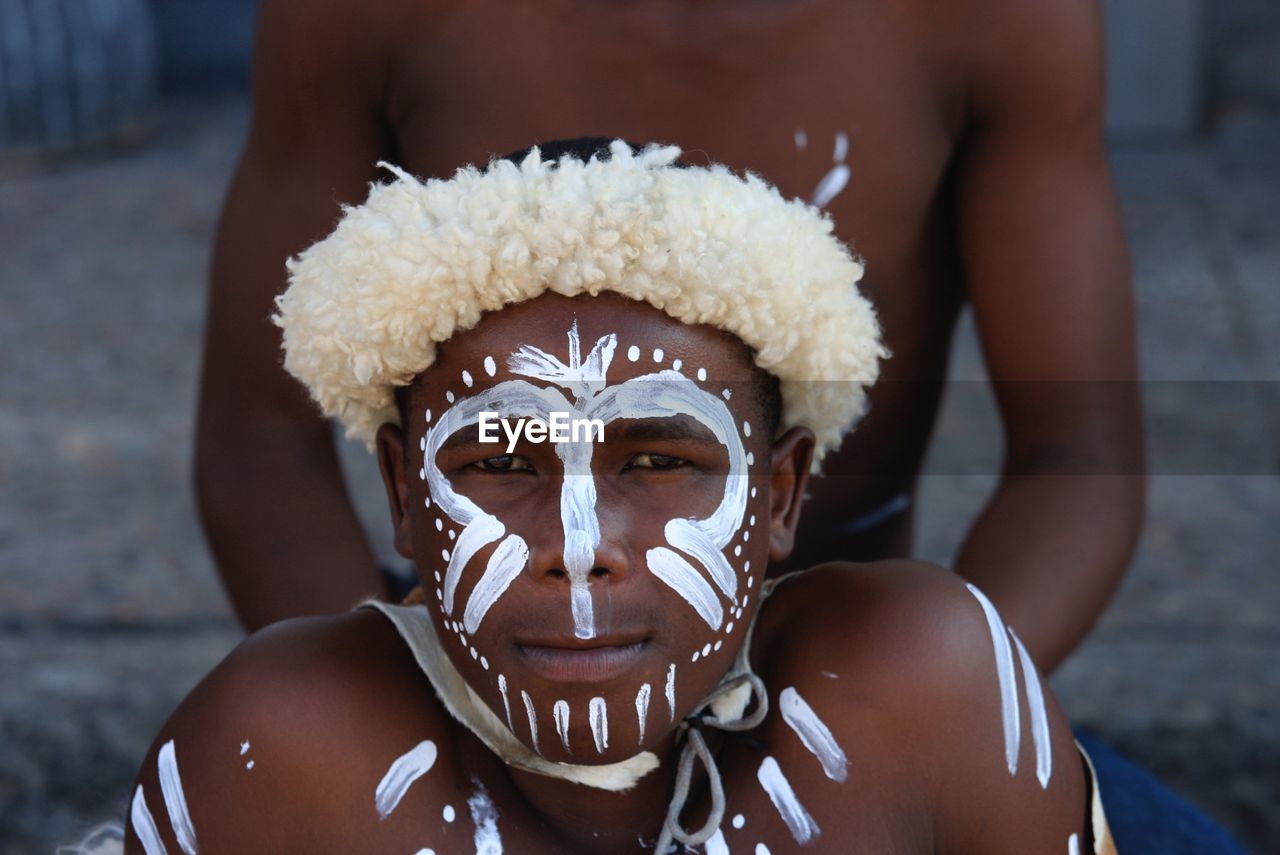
x,y
547,558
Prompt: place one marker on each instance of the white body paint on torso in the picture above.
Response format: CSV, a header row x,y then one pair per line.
x,y
406,769
488,841
815,735
716,844
175,800
778,788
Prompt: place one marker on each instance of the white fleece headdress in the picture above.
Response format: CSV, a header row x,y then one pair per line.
x,y
419,262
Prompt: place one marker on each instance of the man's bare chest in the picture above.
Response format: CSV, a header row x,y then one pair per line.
x,y
839,103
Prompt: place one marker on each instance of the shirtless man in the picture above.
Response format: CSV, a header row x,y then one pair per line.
x,y
588,606
972,132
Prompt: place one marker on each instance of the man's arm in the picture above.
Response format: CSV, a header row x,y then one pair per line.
x,y
271,495
1047,273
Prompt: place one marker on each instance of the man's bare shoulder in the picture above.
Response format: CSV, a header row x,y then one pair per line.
x,y
292,734
903,664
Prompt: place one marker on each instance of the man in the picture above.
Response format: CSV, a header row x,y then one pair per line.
x,y
960,143
612,669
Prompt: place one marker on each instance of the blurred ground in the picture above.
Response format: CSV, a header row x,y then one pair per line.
x,y
110,611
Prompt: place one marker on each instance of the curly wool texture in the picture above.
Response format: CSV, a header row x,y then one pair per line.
x,y
419,262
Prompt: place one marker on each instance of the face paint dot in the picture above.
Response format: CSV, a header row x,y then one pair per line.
x,y
677,364
718,645
737,613
437,575
737,550
426,502
751,459
439,524
753,492
746,598
746,535
633,353
702,374
746,428
752,520
444,553
484,663
657,354
244,747
751,580
463,638
448,813
490,367
428,415
439,595
739,821
448,396
729,629
727,393
422,444
475,654
697,654
452,535
706,649
746,568
422,474
249,765
466,379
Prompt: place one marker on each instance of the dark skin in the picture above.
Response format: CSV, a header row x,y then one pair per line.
x,y
978,175
895,657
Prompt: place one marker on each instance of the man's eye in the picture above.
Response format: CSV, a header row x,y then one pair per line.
x,y
504,463
655,461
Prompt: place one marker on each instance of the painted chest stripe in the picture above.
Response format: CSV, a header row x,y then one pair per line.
x,y
814,733
778,788
406,769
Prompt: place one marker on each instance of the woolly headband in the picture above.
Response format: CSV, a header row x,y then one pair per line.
x,y
419,262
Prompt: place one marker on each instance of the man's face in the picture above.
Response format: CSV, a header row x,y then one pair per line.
x,y
590,591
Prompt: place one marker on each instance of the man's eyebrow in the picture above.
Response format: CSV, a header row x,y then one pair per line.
x,y
463,438
671,429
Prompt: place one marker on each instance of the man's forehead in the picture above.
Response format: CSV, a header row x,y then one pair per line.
x,y
634,338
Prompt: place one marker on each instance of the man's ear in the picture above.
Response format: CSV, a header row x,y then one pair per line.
x,y
391,462
792,456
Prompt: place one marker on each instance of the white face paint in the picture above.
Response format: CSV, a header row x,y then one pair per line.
x,y
642,709
404,770
244,748
506,703
485,816
175,800
814,734
448,813
761,849
739,821
841,150
560,713
1073,845
801,140
671,692
533,719
778,788
144,824
598,715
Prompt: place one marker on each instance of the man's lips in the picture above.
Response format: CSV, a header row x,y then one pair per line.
x,y
576,660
